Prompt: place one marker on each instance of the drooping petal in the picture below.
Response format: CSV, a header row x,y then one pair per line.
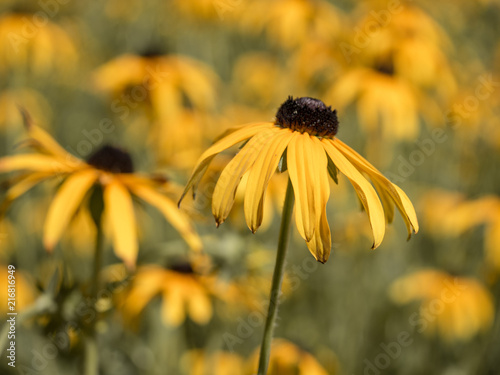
x,y
225,190
64,205
387,201
364,189
321,243
268,157
399,197
33,162
120,213
222,144
303,172
169,209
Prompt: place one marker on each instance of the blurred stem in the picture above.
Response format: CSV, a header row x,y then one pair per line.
x,y
279,267
94,290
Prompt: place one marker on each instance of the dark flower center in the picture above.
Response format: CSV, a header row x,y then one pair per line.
x,y
111,159
308,115
385,66
181,268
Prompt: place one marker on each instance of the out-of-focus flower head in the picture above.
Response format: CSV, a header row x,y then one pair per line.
x,y
163,81
110,169
288,359
410,39
292,23
183,291
454,308
31,44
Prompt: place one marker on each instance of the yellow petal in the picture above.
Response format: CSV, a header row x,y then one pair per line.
x,y
32,162
46,142
65,203
224,143
169,209
303,173
147,283
173,311
399,197
225,190
321,243
268,157
199,306
120,213
387,201
364,189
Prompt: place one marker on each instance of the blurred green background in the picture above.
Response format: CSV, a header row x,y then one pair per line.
x,y
417,88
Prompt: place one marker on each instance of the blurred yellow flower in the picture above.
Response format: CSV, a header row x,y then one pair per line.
x,y
302,141
219,363
455,308
30,44
291,23
108,167
182,290
163,81
288,359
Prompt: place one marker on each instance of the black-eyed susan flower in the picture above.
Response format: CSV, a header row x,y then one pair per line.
x,y
301,140
182,290
109,167
455,308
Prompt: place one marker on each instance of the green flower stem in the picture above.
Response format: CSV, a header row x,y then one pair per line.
x,y
91,365
279,267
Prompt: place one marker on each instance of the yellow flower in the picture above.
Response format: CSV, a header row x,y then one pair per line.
x,y
287,359
292,23
165,80
183,293
25,44
109,167
455,308
302,141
